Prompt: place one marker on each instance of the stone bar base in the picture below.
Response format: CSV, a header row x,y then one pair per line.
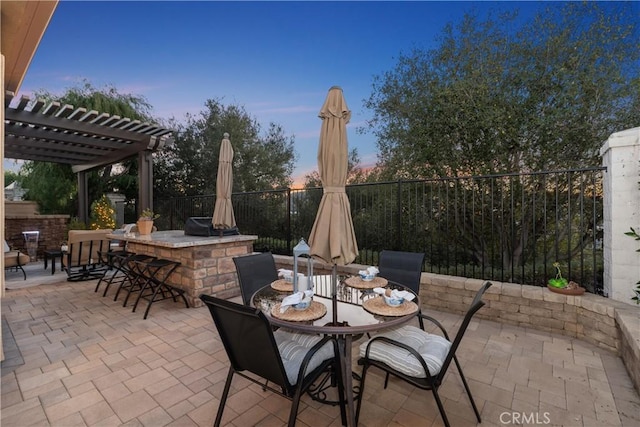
x,y
207,265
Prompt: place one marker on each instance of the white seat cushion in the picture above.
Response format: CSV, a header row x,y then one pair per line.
x,y
294,346
432,348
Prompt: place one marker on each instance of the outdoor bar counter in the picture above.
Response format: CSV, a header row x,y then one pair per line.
x,y
206,262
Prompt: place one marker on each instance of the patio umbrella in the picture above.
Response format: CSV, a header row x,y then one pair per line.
x,y
332,237
223,217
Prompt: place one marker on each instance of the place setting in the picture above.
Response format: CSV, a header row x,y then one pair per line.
x,y
390,302
299,307
366,279
285,284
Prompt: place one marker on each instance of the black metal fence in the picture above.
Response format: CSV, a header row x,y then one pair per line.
x,y
509,228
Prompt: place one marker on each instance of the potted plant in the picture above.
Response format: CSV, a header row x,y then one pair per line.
x,y
145,221
561,285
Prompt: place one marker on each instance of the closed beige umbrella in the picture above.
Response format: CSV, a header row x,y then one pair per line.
x,y
332,237
223,217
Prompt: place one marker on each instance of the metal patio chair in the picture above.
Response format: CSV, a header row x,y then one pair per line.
x,y
254,272
291,361
418,357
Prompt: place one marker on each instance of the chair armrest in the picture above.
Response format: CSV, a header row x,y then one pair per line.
x,y
435,322
395,343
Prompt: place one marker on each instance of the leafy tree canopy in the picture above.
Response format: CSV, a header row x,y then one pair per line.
x,y
261,161
496,98
9,177
355,173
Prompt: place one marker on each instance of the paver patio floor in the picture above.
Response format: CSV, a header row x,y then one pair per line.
x,y
74,358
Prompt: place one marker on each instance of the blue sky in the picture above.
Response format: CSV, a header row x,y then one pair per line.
x,y
277,59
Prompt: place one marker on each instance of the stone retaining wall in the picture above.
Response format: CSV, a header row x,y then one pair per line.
x,y
603,322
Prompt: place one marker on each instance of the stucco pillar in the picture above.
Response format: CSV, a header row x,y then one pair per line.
x,y
621,196
2,186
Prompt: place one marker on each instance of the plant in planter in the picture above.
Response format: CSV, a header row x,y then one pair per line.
x,y
561,285
558,281
148,215
145,221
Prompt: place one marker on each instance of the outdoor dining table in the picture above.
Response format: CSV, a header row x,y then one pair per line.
x,y
352,310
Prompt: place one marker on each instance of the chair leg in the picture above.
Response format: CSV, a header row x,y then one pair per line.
x,y
365,367
440,407
466,387
295,403
153,298
223,398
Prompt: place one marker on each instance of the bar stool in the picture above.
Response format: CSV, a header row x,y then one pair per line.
x,y
154,274
131,281
113,259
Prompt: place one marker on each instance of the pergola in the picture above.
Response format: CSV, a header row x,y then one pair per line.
x,y
51,132
86,140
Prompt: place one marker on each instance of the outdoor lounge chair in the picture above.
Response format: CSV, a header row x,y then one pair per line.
x,y
15,259
418,357
83,261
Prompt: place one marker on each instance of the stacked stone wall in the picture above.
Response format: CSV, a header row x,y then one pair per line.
x,y
52,228
204,269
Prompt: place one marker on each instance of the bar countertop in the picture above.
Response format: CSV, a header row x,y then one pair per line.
x,y
177,239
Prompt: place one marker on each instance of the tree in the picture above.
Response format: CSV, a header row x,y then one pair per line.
x,y
59,195
496,99
53,186
493,98
9,177
103,215
355,174
261,161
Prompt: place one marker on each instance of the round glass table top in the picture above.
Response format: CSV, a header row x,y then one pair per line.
x,y
344,311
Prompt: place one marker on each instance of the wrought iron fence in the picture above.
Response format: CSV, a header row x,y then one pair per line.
x,y
508,228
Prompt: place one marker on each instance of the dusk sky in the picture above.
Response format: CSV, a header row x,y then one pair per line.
x,y
277,59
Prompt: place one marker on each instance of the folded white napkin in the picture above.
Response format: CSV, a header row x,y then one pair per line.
x,y
294,299
284,272
370,270
287,275
406,295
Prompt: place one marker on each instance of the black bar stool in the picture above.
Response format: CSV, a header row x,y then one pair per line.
x,y
131,281
154,275
114,260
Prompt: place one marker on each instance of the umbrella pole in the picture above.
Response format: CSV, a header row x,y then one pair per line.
x,y
334,292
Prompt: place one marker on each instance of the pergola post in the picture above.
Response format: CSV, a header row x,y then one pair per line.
x,y
145,181
83,197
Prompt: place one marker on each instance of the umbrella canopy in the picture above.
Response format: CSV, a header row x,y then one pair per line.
x,y
332,237
223,216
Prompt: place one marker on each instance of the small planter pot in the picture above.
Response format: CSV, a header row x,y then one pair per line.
x,y
565,291
144,226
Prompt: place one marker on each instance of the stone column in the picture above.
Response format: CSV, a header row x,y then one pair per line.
x,y
621,196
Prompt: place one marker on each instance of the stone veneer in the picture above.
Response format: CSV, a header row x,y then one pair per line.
x,y
52,228
601,321
205,268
